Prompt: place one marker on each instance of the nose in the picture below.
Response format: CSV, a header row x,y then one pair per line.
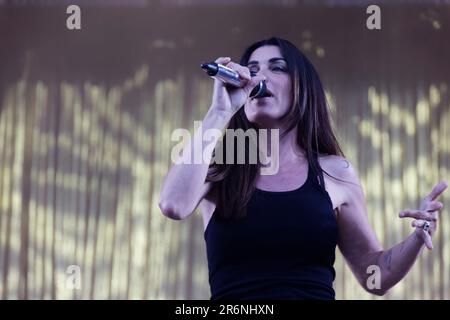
x,y
261,87
261,72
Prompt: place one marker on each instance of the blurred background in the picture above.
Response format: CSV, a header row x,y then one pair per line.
x,y
86,118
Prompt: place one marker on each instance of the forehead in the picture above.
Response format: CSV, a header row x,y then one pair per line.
x,y
264,53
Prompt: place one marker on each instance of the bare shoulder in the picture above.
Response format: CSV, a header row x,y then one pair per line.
x,y
339,167
342,180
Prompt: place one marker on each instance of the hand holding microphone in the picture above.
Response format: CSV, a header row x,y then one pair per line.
x,y
233,84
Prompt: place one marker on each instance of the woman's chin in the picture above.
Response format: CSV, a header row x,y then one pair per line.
x,y
262,119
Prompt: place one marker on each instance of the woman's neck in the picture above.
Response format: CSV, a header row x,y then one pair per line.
x,y
288,149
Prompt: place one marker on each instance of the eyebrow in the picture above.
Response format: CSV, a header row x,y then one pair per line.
x,y
271,60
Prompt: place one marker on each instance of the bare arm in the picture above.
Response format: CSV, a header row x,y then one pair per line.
x,y
184,186
396,262
360,246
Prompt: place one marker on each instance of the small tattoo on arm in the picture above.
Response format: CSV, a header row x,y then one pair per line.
x,y
387,259
402,246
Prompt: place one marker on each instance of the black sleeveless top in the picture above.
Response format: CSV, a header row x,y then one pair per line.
x,y
283,249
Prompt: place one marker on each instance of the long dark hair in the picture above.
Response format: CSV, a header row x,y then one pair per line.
x,y
234,184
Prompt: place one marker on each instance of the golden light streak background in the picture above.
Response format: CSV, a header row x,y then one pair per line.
x,y
86,120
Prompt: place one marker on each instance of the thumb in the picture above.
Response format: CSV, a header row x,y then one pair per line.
x,y
428,242
425,236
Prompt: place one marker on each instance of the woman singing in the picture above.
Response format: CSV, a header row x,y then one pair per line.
x,y
274,236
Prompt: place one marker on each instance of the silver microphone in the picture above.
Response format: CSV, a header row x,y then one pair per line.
x,y
231,77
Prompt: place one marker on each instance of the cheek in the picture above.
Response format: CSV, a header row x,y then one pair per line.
x,y
247,110
287,97
247,106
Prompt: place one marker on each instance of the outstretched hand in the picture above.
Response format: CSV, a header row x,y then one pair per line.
x,y
427,214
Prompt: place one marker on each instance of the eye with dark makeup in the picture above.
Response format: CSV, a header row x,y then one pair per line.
x,y
279,68
255,68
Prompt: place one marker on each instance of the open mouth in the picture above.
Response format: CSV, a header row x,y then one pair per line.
x,y
267,94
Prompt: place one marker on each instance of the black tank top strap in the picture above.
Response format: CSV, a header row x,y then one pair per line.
x,y
322,181
318,175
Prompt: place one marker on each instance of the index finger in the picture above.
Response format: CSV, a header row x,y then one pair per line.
x,y
222,60
244,72
437,190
